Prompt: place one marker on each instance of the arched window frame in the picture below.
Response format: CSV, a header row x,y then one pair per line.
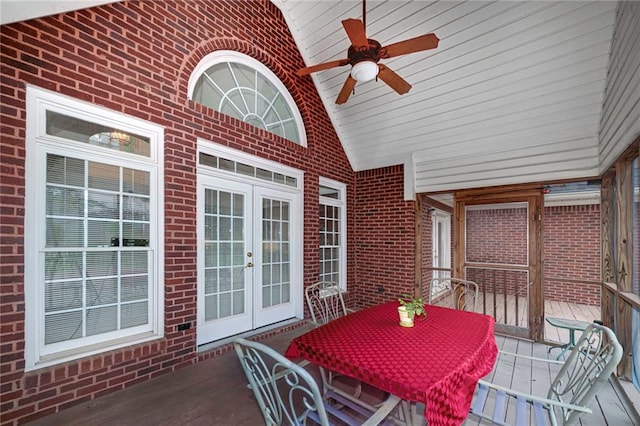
x,y
221,56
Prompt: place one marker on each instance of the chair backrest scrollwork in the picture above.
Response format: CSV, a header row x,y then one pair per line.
x,y
285,392
455,293
325,302
588,367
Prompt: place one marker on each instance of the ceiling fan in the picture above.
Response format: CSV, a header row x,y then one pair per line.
x,y
364,55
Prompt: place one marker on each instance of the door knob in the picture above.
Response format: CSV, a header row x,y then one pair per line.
x,y
249,265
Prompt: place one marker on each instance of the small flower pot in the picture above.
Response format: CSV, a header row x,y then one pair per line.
x,y
406,317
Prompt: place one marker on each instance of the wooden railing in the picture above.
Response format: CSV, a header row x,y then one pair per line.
x,y
617,306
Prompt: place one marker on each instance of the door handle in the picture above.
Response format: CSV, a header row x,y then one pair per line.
x,y
249,265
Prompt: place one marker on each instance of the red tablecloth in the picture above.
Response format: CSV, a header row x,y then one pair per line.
x,y
437,362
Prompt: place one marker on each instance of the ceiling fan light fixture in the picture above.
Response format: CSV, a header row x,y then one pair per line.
x,y
364,71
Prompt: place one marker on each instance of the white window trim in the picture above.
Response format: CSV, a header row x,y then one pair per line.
x,y
37,144
342,204
219,56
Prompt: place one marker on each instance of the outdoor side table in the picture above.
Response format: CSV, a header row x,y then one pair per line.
x,y
572,326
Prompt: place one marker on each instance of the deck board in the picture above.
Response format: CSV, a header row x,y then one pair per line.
x,y
214,392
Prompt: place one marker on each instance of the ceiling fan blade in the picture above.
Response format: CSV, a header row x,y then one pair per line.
x,y
355,31
417,44
346,90
323,66
396,82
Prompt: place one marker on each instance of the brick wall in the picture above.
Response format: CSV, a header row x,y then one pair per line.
x,y
497,236
135,57
385,250
572,251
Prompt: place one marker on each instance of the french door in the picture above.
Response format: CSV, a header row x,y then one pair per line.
x,y
245,257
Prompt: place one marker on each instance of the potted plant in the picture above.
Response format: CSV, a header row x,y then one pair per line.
x,y
409,308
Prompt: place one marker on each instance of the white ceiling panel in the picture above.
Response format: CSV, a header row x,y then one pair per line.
x,y
513,92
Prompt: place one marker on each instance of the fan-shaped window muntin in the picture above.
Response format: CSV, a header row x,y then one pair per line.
x,y
240,86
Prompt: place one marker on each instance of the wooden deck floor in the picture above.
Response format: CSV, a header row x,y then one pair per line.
x,y
531,377
214,392
518,316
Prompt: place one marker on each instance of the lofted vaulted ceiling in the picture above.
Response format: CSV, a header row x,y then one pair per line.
x,y
512,94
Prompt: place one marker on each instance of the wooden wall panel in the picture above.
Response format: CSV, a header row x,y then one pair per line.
x,y
624,256
608,268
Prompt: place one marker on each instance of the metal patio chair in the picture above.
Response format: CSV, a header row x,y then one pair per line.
x,y
455,293
590,364
287,394
325,304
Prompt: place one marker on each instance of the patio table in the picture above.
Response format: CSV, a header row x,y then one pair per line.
x,y
438,362
572,326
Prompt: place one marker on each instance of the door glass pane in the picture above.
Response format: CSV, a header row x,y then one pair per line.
x,y
224,254
275,253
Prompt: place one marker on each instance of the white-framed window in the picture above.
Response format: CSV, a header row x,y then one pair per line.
x,y
333,232
240,86
93,246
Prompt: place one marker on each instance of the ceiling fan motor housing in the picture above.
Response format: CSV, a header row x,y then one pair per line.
x,y
361,53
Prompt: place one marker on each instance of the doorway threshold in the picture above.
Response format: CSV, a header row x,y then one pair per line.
x,y
267,330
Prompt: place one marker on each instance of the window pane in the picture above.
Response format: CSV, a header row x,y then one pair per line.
x,y
238,90
221,75
60,296
65,171
104,176
135,234
65,201
134,314
63,326
101,264
245,77
101,233
63,265
211,307
134,288
65,233
102,320
134,262
96,134
104,205
135,181
102,292
135,208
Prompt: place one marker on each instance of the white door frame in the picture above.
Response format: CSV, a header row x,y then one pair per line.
x,y
290,189
441,256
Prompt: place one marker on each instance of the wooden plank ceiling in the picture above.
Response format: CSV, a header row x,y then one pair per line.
x,y
512,94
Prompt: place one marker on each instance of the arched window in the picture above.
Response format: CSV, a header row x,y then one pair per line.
x,y
240,86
